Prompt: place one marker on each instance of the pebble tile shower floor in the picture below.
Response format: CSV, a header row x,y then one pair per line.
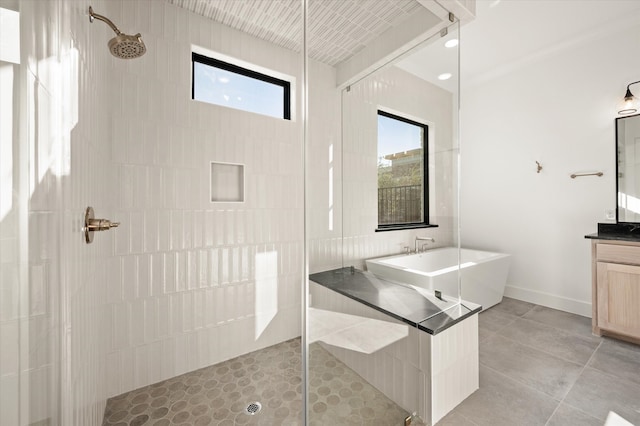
x,y
220,394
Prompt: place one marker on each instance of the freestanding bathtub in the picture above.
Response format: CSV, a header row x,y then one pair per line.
x,y
483,274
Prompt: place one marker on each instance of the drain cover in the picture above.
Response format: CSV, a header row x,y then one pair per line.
x,y
253,408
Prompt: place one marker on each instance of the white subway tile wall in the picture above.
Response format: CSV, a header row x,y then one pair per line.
x,y
354,187
63,332
190,291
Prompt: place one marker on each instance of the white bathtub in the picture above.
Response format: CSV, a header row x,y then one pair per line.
x,y
483,274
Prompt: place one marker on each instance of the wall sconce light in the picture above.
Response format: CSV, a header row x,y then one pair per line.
x,y
630,103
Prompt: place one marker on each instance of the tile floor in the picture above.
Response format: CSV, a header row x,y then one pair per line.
x,y
538,366
218,395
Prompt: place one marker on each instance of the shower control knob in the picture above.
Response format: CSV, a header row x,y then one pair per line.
x,y
91,224
101,225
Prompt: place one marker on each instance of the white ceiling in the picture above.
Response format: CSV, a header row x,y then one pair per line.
x,y
508,34
338,29
505,35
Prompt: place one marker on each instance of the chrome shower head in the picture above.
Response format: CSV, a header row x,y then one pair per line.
x,y
121,46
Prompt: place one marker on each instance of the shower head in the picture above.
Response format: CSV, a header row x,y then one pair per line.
x,y
121,46
127,46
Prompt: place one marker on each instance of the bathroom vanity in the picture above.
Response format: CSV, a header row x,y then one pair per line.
x,y
616,284
615,247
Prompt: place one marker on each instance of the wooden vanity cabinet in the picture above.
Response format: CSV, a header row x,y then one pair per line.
x,y
616,289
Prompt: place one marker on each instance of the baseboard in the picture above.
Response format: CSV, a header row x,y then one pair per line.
x,y
549,300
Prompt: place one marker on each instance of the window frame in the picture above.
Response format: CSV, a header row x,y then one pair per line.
x,y
425,177
236,69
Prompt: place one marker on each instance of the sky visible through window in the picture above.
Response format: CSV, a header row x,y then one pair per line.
x,y
396,136
225,88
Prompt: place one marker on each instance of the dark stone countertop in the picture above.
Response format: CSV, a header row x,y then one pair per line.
x,y
617,232
404,303
614,237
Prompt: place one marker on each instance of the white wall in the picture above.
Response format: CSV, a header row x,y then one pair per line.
x,y
558,109
64,146
193,282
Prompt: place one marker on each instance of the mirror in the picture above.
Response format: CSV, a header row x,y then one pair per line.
x,y
628,169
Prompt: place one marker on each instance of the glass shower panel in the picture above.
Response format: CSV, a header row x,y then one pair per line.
x,y
189,312
380,190
16,323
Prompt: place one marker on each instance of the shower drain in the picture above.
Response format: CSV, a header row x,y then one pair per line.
x,y
253,408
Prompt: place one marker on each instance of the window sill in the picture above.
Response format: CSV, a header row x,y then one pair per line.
x,y
407,226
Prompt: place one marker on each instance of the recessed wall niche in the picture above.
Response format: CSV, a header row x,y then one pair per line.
x,y
227,182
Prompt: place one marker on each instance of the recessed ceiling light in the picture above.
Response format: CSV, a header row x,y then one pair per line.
x,y
451,43
444,76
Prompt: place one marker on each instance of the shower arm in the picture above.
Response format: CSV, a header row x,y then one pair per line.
x,y
93,16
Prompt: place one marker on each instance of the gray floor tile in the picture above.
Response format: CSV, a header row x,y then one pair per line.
x,y
494,320
539,370
618,358
566,321
597,393
566,415
572,347
455,419
501,401
483,333
513,306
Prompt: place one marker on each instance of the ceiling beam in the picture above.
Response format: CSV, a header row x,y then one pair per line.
x,y
391,45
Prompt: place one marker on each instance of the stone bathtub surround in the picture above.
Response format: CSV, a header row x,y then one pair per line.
x,y
436,356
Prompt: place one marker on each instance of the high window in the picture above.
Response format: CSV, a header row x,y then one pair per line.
x,y
225,84
402,170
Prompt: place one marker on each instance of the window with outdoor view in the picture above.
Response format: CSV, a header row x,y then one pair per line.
x,y
229,85
402,167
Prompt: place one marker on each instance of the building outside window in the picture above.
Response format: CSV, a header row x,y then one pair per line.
x,y
402,163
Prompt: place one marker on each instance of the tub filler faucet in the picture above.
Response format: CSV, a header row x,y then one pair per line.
x,y
418,238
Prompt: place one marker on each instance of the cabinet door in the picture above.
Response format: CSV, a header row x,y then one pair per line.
x,y
619,298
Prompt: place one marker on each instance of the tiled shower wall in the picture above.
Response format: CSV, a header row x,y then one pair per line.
x,y
64,146
402,93
346,175
192,282
324,184
12,217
